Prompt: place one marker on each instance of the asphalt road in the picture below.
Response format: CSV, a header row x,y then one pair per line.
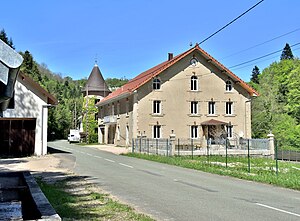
x,y
172,193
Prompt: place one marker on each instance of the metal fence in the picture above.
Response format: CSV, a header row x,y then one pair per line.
x,y
152,146
192,147
289,155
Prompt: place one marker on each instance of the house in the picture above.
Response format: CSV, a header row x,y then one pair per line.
x,y
23,128
191,95
94,91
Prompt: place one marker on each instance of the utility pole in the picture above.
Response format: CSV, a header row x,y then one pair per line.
x,y
86,118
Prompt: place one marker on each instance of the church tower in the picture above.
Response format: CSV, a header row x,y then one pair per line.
x,y
94,91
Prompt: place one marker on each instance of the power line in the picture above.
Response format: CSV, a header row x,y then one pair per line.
x,y
254,46
261,57
231,22
238,68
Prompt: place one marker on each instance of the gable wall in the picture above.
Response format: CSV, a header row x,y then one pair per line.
x,y
28,104
175,96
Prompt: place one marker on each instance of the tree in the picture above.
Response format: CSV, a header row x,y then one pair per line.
x,y
287,53
255,74
3,37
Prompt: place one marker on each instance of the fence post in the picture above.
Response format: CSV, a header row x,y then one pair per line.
x,y
208,144
148,146
156,146
167,147
226,146
192,142
276,156
172,142
140,143
132,145
178,143
248,147
271,145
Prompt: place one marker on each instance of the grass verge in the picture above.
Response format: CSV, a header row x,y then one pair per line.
x,y
75,199
261,169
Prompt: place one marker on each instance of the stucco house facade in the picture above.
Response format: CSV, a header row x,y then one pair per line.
x,y
23,127
191,95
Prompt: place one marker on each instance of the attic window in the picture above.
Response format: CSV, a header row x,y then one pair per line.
x,y
228,85
156,84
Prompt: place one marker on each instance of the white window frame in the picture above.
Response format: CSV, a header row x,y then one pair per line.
x,y
156,107
228,86
194,83
156,83
194,107
229,108
194,132
211,108
229,130
156,131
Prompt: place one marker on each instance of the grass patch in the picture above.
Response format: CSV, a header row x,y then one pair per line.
x,y
76,200
261,169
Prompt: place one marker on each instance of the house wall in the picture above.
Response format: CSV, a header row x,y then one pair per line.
x,y
28,104
175,95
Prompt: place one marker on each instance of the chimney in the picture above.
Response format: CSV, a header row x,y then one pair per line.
x,y
170,56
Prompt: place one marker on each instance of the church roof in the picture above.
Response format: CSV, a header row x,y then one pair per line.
x,y
96,81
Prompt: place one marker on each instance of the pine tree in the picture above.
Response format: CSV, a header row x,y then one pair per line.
x,y
287,53
3,37
255,74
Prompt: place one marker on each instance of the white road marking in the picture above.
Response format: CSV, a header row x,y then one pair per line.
x,y
109,160
125,165
98,157
89,154
280,210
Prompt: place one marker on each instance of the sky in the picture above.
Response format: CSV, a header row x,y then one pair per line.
x,y
129,37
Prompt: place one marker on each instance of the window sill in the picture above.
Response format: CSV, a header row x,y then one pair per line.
x,y
229,115
157,115
212,115
194,115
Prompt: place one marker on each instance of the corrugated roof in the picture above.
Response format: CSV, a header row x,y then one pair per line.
x,y
96,81
146,76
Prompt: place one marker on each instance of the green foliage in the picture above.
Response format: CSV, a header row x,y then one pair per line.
x,y
67,91
114,83
85,203
90,120
262,170
287,53
255,74
3,37
277,109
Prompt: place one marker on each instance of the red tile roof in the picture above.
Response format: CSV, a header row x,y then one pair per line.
x,y
146,76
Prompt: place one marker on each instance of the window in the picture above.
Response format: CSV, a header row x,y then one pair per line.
x,y
156,84
156,107
96,116
194,132
228,85
194,107
156,131
194,83
229,130
211,107
229,108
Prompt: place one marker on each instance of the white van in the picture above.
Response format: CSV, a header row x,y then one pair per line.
x,y
74,136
